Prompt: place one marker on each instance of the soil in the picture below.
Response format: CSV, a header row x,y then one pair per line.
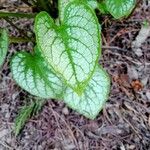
x,y
123,124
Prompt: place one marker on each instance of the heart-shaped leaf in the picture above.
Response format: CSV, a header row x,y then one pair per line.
x,y
73,48
94,97
3,45
120,8
32,74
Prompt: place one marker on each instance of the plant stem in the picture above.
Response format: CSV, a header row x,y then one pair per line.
x,y
44,4
18,40
21,15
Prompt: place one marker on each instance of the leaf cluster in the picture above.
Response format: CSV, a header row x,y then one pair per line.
x,y
64,63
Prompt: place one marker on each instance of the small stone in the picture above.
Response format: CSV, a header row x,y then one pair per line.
x,y
131,147
138,52
148,95
65,111
145,80
15,95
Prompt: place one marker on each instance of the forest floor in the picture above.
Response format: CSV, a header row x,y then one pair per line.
x,y
124,123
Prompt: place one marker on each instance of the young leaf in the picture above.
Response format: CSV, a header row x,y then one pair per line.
x,y
38,106
32,74
3,45
25,113
102,7
22,117
73,48
94,97
120,8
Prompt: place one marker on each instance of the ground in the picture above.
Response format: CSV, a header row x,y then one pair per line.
x,y
123,124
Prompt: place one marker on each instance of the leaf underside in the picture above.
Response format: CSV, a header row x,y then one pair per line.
x,y
3,45
120,8
32,74
71,49
94,97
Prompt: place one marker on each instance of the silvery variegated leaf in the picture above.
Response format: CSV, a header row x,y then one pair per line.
x,y
91,102
73,48
33,75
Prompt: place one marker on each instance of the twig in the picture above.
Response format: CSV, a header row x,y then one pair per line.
x,y
18,40
132,127
6,145
114,48
55,113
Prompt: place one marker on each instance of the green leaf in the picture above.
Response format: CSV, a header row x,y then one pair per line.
x,y
32,74
3,45
92,3
102,7
38,106
25,113
73,48
94,97
22,117
120,8
62,4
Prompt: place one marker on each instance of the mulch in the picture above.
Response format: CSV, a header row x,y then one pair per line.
x,y
124,123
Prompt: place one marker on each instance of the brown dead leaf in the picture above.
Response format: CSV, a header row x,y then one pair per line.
x,y
123,81
137,85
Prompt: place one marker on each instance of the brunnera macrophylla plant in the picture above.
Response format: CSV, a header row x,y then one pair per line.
x,y
64,63
67,63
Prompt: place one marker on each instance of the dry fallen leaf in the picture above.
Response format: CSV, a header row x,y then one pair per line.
x,y
137,85
124,84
